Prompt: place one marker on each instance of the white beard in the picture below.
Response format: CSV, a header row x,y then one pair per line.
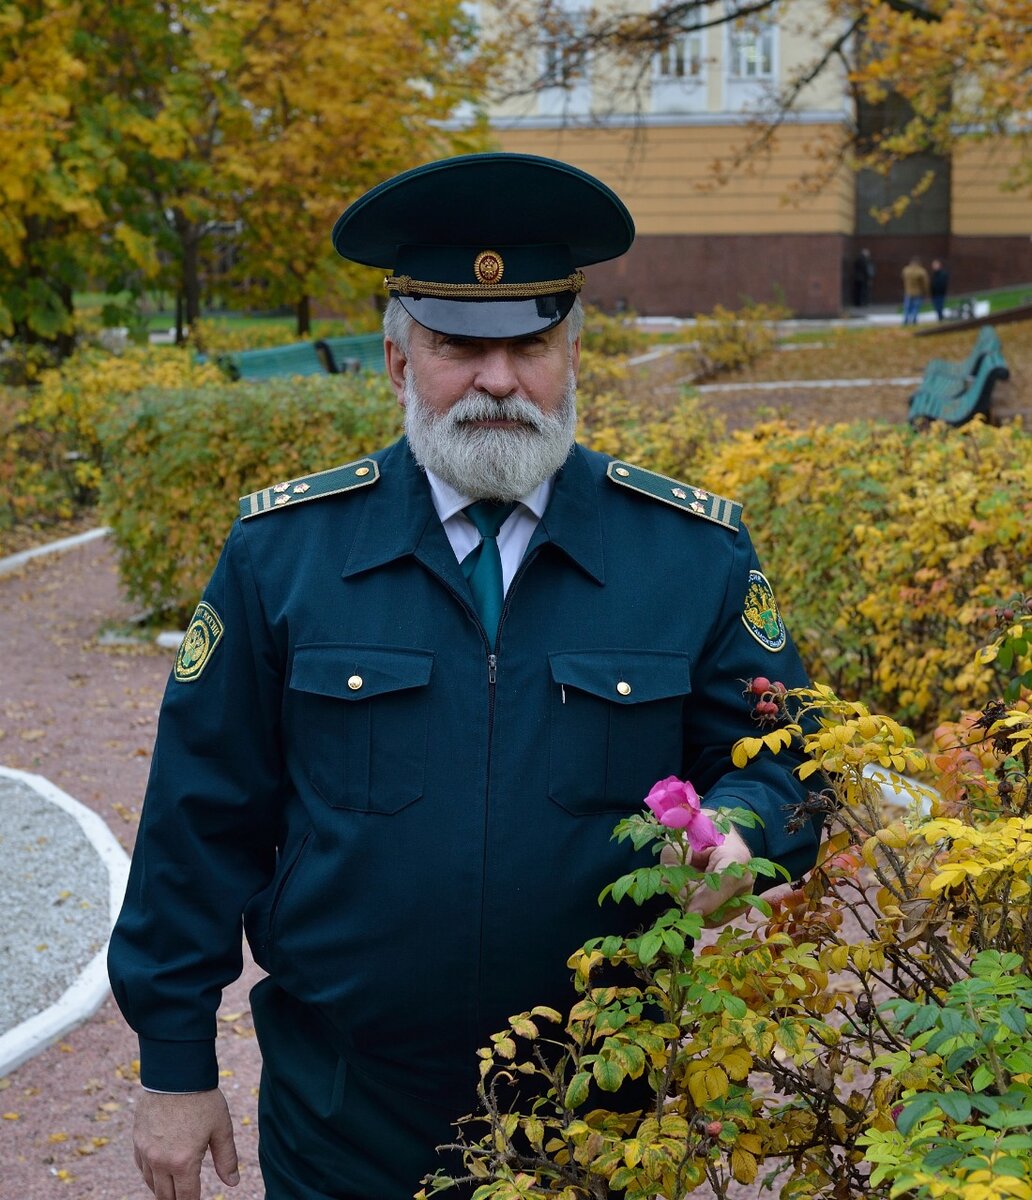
x,y
490,464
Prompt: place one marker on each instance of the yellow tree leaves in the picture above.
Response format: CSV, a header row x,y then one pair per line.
x,y
340,100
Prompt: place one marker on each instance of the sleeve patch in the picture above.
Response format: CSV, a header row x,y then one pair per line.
x,y
202,636
761,615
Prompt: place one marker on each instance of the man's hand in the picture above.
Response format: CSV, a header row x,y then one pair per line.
x,y
171,1135
732,849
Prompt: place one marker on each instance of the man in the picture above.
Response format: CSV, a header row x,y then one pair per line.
x,y
915,289
863,276
939,284
406,725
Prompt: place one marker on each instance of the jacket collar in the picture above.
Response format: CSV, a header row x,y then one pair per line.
x,y
572,522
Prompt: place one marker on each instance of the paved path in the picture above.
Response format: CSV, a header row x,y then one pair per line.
x,y
83,716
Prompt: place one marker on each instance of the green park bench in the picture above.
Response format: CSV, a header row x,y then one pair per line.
x,y
957,392
356,352
987,342
300,358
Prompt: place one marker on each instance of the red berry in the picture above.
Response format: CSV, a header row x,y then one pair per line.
x,y
760,685
1008,614
778,687
714,1128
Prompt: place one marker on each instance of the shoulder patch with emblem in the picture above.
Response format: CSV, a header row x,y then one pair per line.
x,y
761,615
346,478
202,636
684,496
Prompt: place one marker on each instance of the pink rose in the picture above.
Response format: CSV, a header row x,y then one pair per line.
x,y
676,805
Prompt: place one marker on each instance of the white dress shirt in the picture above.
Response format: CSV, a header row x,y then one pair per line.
x,y
514,535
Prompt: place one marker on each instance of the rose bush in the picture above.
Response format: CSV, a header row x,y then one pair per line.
x,y
866,1033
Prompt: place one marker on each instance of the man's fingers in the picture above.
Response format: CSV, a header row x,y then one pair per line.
x,y
224,1153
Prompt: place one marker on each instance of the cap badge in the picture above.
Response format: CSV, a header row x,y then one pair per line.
x,y
488,267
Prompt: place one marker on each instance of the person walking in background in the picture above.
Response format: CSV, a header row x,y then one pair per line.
x,y
939,283
863,275
915,289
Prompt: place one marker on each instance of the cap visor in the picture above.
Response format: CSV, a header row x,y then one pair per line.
x,y
489,318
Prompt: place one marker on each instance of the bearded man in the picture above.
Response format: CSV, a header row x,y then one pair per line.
x,y
422,689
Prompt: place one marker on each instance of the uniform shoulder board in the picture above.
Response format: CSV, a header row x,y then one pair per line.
x,y
681,495
358,474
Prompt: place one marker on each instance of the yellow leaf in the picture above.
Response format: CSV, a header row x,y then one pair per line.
x,y
743,1165
716,1083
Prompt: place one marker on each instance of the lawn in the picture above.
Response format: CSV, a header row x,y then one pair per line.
x,y
878,353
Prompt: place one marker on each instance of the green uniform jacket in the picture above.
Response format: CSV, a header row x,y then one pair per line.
x,y
416,825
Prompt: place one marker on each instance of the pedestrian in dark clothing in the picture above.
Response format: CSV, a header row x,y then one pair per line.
x,y
939,284
863,275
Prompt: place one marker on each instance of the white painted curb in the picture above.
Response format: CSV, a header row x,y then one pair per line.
x,y
14,561
82,998
901,790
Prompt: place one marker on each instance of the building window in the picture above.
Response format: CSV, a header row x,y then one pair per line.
x,y
564,55
750,44
681,57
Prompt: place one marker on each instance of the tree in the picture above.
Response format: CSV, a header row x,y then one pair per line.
x,y
61,171
340,98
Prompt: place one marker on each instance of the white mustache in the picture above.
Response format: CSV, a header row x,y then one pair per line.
x,y
480,406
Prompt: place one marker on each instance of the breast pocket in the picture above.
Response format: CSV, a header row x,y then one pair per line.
x,y
360,720
616,726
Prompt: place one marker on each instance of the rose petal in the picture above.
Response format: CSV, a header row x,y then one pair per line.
x,y
677,818
702,833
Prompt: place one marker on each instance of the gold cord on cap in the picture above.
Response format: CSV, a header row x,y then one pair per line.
x,y
405,285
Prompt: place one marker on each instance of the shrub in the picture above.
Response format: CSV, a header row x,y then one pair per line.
x,y
727,339
51,452
885,547
866,1035
612,335
180,459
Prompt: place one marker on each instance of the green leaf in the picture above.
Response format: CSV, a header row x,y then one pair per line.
x,y
577,1092
914,1109
1014,1018
943,1156
608,1074
734,1006
650,945
958,1058
982,1078
956,1105
674,942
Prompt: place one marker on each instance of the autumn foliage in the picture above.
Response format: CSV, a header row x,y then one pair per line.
x,y
863,1033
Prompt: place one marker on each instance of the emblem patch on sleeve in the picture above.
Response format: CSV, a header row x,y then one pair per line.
x,y
760,613
197,647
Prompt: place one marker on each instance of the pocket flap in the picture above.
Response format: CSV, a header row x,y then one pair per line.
x,y
623,676
358,672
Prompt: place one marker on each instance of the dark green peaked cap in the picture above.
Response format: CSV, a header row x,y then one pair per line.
x,y
486,245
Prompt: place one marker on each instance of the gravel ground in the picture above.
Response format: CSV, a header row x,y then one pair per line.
x,y
83,716
55,891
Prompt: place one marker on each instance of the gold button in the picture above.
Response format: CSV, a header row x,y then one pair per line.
x,y
362,471
355,682
623,688
622,471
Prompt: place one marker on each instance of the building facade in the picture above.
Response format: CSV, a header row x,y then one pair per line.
x,y
667,134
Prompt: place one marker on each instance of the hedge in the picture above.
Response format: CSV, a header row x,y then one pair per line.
x,y
177,463
889,549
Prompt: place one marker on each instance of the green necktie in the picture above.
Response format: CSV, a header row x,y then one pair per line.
x,y
483,565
